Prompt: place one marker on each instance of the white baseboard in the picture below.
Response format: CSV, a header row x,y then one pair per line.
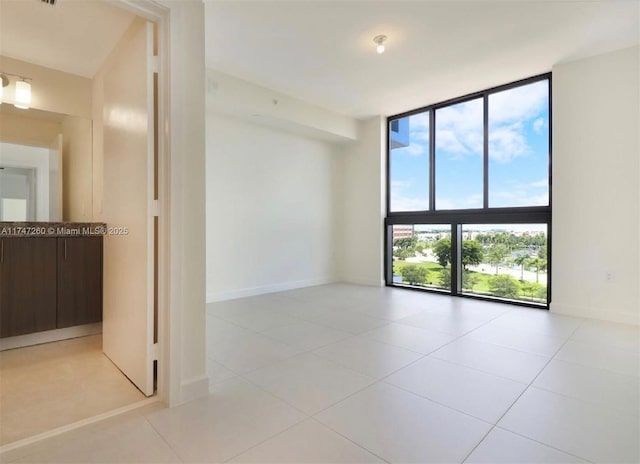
x,y
195,388
594,313
253,291
50,336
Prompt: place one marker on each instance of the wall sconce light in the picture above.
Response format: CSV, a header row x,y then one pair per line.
x,y
380,40
22,97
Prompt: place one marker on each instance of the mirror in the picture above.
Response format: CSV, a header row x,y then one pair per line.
x,y
46,166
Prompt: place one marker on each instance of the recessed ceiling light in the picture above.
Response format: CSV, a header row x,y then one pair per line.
x,y
380,40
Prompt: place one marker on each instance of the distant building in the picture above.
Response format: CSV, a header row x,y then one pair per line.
x,y
402,231
399,133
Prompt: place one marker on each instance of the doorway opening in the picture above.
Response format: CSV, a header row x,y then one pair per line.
x,y
57,377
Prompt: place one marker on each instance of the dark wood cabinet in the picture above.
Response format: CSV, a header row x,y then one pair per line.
x,y
79,281
49,283
28,285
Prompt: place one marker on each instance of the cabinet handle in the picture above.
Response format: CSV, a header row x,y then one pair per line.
x,y
1,251
65,249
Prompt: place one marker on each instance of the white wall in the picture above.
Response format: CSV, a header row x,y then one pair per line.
x,y
596,198
241,99
362,224
271,209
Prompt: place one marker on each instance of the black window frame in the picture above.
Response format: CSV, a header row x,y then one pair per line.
x,y
458,217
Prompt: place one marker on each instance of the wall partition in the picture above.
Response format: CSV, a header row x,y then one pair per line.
x,y
469,195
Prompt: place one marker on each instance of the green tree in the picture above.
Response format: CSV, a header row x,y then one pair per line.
x,y
406,242
542,251
472,253
469,280
541,292
442,250
402,253
522,261
405,247
530,289
496,255
538,264
444,279
505,286
414,274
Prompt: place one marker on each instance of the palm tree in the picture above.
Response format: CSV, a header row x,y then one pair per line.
x,y
539,264
521,261
496,255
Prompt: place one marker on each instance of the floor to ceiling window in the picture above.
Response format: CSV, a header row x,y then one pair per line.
x,y
468,195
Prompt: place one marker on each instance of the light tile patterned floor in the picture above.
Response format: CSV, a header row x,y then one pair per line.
x,y
343,373
46,386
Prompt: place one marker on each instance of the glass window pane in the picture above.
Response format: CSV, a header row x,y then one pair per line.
x,y
506,261
459,156
519,146
422,255
409,163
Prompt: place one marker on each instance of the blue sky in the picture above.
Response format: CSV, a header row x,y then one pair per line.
x,y
518,154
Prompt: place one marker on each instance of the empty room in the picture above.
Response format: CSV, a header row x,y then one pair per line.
x,y
379,231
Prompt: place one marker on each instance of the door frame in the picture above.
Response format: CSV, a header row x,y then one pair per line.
x,y
168,380
181,233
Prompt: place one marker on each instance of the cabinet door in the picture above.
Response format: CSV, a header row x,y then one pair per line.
x,y
79,281
27,285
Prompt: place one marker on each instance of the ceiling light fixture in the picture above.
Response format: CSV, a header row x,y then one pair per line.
x,y
380,40
22,97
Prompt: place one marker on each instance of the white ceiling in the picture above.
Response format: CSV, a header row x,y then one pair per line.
x,y
323,51
74,36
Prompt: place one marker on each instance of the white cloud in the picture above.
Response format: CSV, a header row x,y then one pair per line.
x,y
414,150
520,195
507,142
401,202
519,103
450,142
539,124
508,111
419,127
459,129
399,185
540,183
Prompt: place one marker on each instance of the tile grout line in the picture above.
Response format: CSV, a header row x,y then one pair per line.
x,y
376,380
384,378
541,443
267,439
520,396
381,380
299,319
458,337
162,437
350,440
307,416
311,418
